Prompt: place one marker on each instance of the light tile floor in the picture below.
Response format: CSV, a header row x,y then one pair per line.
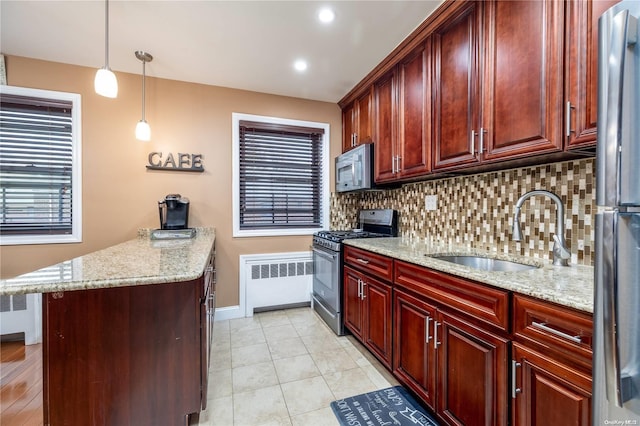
x,y
284,368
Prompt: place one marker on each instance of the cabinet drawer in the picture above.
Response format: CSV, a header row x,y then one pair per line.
x,y
486,304
379,266
552,328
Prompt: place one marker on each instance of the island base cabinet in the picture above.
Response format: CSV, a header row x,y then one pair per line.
x,y
547,392
122,356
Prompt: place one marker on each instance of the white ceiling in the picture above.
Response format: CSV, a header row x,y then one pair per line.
x,y
247,45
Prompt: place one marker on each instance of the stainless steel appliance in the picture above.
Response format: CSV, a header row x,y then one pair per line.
x,y
354,169
174,212
616,384
328,261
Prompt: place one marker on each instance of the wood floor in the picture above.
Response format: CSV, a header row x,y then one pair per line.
x,y
20,384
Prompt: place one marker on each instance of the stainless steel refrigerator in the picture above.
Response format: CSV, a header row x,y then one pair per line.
x,y
616,384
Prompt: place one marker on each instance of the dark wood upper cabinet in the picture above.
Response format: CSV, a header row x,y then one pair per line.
x,y
414,149
523,81
581,80
403,118
357,125
386,118
455,88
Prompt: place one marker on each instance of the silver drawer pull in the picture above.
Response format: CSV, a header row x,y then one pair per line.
x,y
366,262
515,390
545,327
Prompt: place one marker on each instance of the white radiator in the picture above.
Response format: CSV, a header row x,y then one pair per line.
x,y
276,280
23,313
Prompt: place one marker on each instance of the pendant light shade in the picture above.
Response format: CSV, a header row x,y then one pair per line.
x,y
143,131
105,82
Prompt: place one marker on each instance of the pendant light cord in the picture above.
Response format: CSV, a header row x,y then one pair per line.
x,y
144,74
106,34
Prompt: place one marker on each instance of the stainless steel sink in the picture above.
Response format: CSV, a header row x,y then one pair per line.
x,y
486,263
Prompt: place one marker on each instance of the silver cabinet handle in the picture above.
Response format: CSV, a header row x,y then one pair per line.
x,y
543,326
568,118
427,337
355,139
398,168
472,141
435,334
366,262
514,390
481,135
364,296
359,288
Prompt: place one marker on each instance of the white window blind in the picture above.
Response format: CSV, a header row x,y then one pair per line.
x,y
37,167
280,176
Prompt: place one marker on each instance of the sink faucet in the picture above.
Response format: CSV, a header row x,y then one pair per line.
x,y
561,253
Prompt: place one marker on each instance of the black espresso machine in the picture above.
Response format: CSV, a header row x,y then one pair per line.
x,y
174,212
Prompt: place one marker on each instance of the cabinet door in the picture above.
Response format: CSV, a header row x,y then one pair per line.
x,y
364,118
414,362
348,127
353,309
386,116
456,100
582,71
549,393
472,374
415,113
522,109
378,302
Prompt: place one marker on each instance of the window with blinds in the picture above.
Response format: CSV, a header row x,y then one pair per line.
x,y
39,195
281,176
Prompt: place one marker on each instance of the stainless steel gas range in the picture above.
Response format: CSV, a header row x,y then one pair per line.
x,y
328,261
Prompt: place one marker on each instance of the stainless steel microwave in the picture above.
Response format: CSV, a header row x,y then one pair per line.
x,y
354,169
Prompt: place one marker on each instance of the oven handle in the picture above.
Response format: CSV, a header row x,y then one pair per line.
x,y
325,253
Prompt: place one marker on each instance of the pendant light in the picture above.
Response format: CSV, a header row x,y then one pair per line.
x,y
105,82
143,131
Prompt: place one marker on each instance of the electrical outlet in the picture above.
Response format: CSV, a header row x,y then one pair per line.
x,y
431,202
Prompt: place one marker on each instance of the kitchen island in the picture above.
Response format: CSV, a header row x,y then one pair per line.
x,y
126,332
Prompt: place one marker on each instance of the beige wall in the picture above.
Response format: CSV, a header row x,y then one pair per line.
x,y
120,195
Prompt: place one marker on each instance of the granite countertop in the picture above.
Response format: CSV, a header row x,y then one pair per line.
x,y
568,286
139,261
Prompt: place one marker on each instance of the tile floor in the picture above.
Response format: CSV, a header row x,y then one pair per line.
x,y
284,368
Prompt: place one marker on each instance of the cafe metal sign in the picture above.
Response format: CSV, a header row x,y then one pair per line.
x,y
179,162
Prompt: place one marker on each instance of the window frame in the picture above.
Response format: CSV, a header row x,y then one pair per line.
x,y
76,173
236,118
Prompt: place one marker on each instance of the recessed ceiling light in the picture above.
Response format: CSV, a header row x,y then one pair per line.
x,y
326,15
300,65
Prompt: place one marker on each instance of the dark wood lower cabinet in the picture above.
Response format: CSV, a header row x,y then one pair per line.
x,y
548,392
457,369
472,374
123,356
367,312
414,358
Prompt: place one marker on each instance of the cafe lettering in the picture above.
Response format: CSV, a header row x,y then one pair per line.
x,y
180,162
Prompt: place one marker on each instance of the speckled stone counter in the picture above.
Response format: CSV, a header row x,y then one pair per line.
x,y
139,261
568,286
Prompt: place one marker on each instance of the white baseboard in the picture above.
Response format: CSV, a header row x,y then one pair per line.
x,y
228,312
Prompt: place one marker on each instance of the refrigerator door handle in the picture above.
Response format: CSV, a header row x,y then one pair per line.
x,y
613,55
606,281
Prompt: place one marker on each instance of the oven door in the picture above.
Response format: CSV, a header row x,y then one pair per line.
x,y
326,287
326,277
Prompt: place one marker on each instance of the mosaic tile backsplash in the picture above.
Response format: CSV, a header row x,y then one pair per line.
x,y
477,210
